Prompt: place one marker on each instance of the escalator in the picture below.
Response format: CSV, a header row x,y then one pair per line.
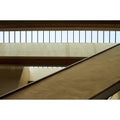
x,y
96,77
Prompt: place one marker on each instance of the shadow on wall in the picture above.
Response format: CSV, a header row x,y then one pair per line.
x,y
9,78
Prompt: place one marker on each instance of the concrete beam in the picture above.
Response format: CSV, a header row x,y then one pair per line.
x,y
52,49
47,54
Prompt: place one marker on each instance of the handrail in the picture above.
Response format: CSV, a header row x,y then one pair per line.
x,y
105,94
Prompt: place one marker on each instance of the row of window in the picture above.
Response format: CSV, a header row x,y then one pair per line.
x,y
60,36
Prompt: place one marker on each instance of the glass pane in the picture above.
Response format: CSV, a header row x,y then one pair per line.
x,y
82,36
11,37
17,35
58,36
118,37
64,36
94,36
40,36
46,36
76,36
52,36
6,33
112,36
88,36
22,36
70,36
1,37
34,36
106,36
28,36
100,36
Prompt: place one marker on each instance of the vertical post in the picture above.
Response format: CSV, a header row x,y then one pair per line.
x,y
25,36
73,36
14,36
37,37
9,36
49,36
79,36
85,36
109,36
31,36
20,36
115,36
97,36
103,37
3,37
91,36
43,36
61,36
55,36
67,36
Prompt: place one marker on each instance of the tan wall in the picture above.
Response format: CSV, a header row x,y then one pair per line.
x,y
25,76
12,77
81,81
115,96
9,78
37,73
52,49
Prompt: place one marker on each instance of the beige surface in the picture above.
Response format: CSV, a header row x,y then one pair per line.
x,y
9,78
115,96
38,73
52,49
81,81
25,76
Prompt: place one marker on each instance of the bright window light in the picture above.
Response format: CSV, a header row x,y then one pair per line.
x,y
52,36
82,36
58,36
64,36
1,37
76,36
88,36
46,36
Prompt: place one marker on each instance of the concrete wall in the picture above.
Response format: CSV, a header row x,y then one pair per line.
x,y
9,78
81,81
25,76
13,77
115,96
52,49
37,73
